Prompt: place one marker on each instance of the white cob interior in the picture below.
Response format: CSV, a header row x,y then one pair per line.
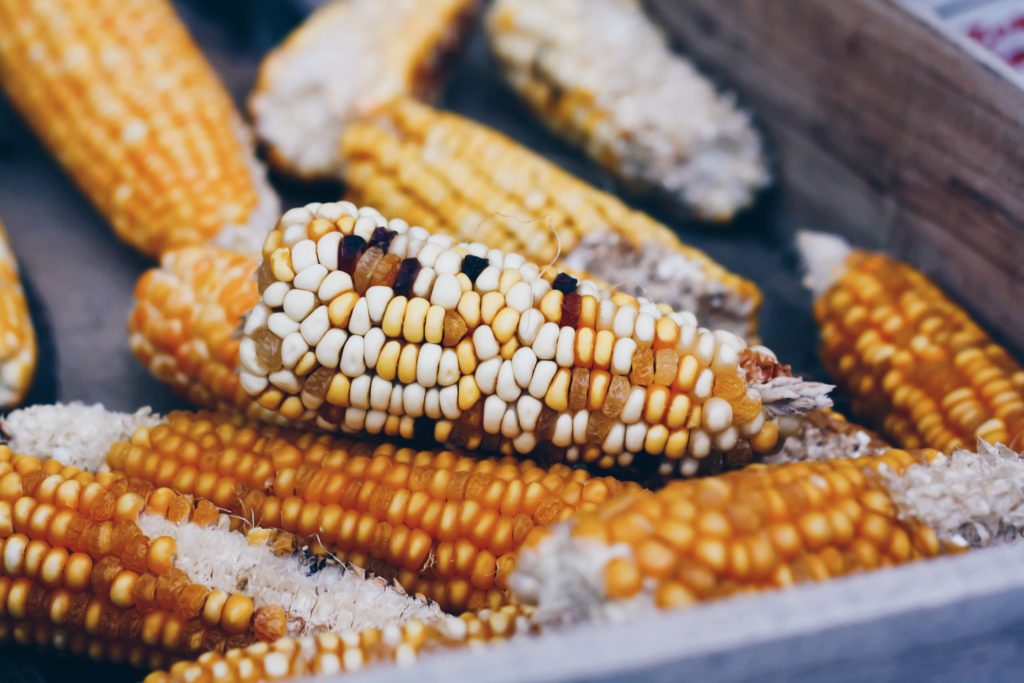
x,y
823,256
660,122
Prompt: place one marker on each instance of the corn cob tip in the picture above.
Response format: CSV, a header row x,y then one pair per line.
x,y
823,256
314,85
72,433
769,527
825,434
601,73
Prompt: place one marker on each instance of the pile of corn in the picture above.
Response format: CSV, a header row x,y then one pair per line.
x,y
376,378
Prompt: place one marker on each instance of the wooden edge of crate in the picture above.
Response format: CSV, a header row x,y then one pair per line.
x,y
886,129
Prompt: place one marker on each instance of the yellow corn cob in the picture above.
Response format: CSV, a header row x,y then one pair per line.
x,y
601,74
17,336
451,175
123,98
769,527
444,525
346,61
371,326
349,652
915,363
183,328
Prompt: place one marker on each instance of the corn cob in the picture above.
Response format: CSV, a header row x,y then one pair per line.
x,y
17,336
824,435
601,74
349,652
123,98
769,527
183,327
347,60
366,325
449,174
914,363
444,525
161,573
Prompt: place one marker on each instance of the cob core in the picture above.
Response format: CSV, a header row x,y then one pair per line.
x,y
915,364
17,336
600,73
125,101
368,325
449,174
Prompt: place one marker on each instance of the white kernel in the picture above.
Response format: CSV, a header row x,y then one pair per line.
x,y
299,303
334,284
529,271
252,384
496,257
754,426
285,380
624,321
507,388
373,342
399,246
615,441
525,443
281,325
731,340
520,297
275,665
328,349
529,326
419,233
398,225
606,314
413,248
315,326
424,282
256,319
706,347
484,343
432,404
359,392
355,418
705,383
364,227
510,424
524,360
513,261
292,348
395,404
727,440
448,263
635,436
353,659
326,664
579,426
689,467
545,343
446,292
622,356
725,359
304,255
377,299
359,321
494,411
539,288
310,278
427,363
293,234
413,397
542,376
699,445
563,431
644,331
380,393
486,375
348,207
352,364
248,359
487,280
633,409
448,372
449,397
429,254
274,294
298,215
528,409
687,339
565,348
717,415
331,211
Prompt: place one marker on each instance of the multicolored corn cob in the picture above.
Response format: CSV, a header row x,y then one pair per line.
x,y
769,527
452,175
914,363
349,652
369,326
123,98
17,336
444,525
346,61
600,73
163,574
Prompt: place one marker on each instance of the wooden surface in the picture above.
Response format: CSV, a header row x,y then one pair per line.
x,y
885,129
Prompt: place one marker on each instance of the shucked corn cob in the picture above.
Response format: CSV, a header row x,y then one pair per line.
x,y
915,363
17,336
769,527
368,325
451,175
153,575
347,60
123,98
445,525
601,74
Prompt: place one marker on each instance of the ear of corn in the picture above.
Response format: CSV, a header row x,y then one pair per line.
x,y
344,62
444,525
123,98
17,336
914,363
349,652
451,175
601,74
769,527
366,325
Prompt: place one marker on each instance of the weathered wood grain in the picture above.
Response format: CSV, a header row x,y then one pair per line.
x,y
886,128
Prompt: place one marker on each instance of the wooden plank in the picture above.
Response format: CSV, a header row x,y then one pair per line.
x,y
887,129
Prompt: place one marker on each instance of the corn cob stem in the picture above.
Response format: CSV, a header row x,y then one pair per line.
x,y
366,325
769,527
451,175
123,98
915,364
17,336
344,62
601,74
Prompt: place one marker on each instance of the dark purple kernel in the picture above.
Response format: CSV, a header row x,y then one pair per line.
x,y
566,284
349,251
406,276
381,238
472,266
423,430
571,305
